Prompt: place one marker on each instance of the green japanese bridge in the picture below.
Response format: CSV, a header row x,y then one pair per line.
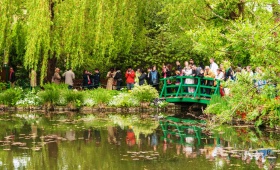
x,y
174,89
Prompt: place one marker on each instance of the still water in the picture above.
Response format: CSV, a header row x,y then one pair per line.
x,y
124,142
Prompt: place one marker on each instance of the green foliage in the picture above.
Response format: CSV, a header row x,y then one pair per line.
x,y
124,99
145,93
248,102
30,98
159,104
11,96
75,97
51,94
139,33
102,96
217,105
3,86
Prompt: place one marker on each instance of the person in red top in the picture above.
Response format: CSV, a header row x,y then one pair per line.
x,y
130,76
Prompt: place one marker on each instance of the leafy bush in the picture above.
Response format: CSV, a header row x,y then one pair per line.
x,y
247,101
73,97
101,96
51,94
3,86
144,93
217,105
11,96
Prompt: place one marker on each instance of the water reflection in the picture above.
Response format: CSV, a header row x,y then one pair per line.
x,y
90,142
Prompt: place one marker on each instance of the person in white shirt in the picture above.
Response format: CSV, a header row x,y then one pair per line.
x,y
213,66
220,74
69,77
249,71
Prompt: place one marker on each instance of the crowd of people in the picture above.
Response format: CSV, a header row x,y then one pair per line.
x,y
151,76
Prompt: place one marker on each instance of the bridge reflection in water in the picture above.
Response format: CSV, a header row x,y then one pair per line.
x,y
175,89
191,135
184,130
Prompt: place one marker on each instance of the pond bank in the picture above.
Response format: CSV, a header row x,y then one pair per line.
x,y
171,108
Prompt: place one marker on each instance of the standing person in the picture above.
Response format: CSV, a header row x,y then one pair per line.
x,y
33,78
195,72
191,62
178,80
56,77
189,72
178,66
142,77
148,76
220,74
130,76
213,66
137,75
165,74
222,67
118,78
202,82
110,76
154,78
12,77
69,77
87,84
184,70
201,65
249,71
186,65
96,78
229,74
208,73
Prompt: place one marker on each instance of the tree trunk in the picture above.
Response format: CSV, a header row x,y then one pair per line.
x,y
51,67
52,60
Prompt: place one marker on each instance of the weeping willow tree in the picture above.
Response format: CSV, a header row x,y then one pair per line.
x,y
81,33
71,31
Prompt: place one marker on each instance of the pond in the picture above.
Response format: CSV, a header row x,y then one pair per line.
x,y
114,141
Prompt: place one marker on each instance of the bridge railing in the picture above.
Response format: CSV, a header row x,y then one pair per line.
x,y
176,86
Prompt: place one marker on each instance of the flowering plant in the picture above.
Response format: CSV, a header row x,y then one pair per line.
x,y
124,100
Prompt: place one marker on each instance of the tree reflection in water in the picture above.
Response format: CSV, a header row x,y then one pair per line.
x,y
75,142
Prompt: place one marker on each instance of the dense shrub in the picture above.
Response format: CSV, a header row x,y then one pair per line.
x,y
145,93
101,96
11,96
